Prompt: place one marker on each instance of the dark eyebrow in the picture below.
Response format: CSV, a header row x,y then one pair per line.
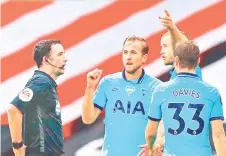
x,y
134,51
61,52
163,44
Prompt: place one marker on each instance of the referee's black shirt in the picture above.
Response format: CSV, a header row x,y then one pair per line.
x,y
42,125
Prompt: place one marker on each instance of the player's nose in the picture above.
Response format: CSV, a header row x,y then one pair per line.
x,y
128,56
65,58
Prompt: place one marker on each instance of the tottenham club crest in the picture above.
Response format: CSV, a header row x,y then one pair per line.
x,y
129,90
57,110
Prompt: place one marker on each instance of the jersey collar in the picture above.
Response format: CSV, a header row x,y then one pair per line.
x,y
139,80
184,74
38,72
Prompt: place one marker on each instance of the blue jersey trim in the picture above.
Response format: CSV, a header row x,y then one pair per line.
x,y
187,74
198,72
139,80
217,118
142,75
99,107
153,119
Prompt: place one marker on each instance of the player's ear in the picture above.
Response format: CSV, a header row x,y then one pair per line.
x,y
144,58
176,61
44,60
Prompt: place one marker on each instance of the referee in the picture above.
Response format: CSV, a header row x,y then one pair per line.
x,y
34,116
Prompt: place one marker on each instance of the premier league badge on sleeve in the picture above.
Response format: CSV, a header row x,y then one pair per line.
x,y
26,95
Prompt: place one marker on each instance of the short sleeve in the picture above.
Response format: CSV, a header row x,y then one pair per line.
x,y
155,113
100,98
217,110
27,95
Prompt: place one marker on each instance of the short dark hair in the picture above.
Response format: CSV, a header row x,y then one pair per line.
x,y
136,38
188,53
42,49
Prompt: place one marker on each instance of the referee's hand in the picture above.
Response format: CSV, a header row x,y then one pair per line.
x,y
93,77
20,152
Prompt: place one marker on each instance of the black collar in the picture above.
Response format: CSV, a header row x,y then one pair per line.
x,y
184,74
139,80
38,72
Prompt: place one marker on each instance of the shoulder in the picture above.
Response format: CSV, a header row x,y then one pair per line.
x,y
112,77
152,79
164,86
34,86
209,88
39,82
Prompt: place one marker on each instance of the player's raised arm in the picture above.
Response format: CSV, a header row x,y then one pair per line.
x,y
175,34
90,112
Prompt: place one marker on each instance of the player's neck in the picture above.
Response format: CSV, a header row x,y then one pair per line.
x,y
185,70
134,76
49,71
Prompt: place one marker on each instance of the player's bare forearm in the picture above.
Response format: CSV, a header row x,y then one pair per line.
x,y
176,36
160,138
150,133
15,118
219,138
160,132
220,144
89,112
149,140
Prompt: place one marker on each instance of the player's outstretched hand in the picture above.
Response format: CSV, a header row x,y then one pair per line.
x,y
167,21
93,77
145,151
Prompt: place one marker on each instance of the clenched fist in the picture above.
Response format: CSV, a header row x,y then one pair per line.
x,y
93,78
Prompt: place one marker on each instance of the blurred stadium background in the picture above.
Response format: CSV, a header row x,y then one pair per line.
x,y
92,33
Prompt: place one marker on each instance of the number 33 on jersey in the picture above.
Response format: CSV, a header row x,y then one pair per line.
x,y
187,106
